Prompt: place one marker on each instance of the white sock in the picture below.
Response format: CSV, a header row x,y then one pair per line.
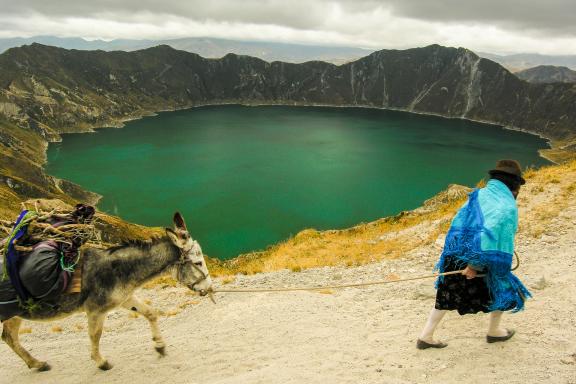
x,y
434,319
494,325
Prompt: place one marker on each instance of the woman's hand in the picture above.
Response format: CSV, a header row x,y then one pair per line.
x,y
469,272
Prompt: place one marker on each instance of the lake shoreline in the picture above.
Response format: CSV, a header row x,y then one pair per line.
x,y
121,122
451,133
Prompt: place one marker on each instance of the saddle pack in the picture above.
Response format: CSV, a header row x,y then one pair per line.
x,y
40,256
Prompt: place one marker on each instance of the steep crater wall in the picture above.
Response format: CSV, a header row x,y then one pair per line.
x,y
46,91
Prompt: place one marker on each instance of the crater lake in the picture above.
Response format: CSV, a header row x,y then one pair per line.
x,y
247,177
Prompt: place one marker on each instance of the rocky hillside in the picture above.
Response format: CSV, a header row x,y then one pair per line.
x,y
54,90
45,91
548,74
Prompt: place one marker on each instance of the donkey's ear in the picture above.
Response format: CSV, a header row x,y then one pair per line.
x,y
179,221
172,235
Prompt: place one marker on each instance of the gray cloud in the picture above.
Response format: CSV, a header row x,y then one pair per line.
x,y
296,14
496,26
553,16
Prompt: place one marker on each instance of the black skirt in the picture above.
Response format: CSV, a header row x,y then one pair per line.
x,y
455,292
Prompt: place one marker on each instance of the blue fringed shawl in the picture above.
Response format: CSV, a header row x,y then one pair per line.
x,y
482,235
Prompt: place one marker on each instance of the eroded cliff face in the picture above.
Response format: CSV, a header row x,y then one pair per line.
x,y
45,91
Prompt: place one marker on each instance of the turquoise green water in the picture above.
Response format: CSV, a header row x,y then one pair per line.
x,y
247,177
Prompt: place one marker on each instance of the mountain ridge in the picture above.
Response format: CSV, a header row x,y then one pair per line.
x,y
416,82
548,74
206,46
520,61
46,91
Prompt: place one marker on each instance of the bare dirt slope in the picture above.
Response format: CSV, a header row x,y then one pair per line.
x,y
347,336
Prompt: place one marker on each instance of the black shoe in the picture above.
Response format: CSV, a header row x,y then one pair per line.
x,y
495,339
420,344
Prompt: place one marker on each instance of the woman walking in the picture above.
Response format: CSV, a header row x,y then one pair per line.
x,y
481,241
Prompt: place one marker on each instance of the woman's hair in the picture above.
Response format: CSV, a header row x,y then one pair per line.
x,y
511,181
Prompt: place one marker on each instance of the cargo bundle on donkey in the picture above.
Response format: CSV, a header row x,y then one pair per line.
x,y
44,252
40,256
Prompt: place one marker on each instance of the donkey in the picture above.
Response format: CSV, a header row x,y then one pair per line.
x,y
109,279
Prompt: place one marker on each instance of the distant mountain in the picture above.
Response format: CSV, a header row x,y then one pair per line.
x,y
268,51
46,91
206,47
521,61
77,43
548,74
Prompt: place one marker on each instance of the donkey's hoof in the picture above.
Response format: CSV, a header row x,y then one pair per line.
x,y
105,366
43,367
161,350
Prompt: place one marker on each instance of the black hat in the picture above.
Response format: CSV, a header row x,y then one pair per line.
x,y
511,167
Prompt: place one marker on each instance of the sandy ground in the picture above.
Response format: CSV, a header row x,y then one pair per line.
x,y
345,336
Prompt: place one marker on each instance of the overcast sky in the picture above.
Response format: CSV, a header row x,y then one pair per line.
x,y
498,26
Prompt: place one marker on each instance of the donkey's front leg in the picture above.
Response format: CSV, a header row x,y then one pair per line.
x,y
95,323
10,336
151,315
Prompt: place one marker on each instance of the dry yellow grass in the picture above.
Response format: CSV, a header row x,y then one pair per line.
x,y
10,204
56,329
127,231
559,152
392,237
548,190
385,238
164,281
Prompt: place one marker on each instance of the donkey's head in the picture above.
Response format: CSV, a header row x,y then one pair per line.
x,y
191,270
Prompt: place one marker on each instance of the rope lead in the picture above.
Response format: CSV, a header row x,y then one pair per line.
x,y
368,283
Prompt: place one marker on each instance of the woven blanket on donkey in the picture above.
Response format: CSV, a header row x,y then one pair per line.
x,y
482,235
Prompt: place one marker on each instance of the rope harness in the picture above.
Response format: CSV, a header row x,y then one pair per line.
x,y
365,284
185,260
